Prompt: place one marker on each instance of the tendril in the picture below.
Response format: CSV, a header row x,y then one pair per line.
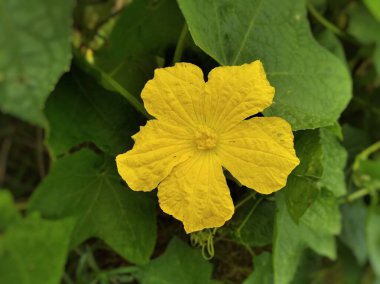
x,y
205,240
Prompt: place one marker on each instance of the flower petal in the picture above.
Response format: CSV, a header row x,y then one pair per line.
x,y
259,153
159,146
234,93
196,193
175,93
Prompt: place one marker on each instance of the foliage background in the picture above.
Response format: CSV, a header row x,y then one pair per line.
x,y
70,79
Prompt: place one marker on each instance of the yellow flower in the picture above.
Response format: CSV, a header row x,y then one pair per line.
x,y
200,128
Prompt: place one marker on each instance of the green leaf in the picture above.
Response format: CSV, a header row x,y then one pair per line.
x,y
374,7
312,85
355,141
316,229
353,232
309,150
131,73
334,162
262,271
323,160
350,272
324,216
145,27
253,225
145,31
314,269
362,25
367,171
88,187
373,239
309,266
330,41
288,245
8,212
300,194
79,111
302,189
179,264
376,58
371,169
34,251
35,51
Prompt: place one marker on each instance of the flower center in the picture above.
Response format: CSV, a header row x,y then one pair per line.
x,y
205,138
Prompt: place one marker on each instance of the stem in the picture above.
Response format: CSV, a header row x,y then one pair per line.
x,y
83,64
91,261
248,216
365,154
374,199
101,23
122,91
244,200
180,44
324,22
356,195
371,149
248,248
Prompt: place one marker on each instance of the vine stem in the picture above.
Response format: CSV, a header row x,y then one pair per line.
x,y
356,195
120,89
180,44
244,200
83,64
248,215
324,22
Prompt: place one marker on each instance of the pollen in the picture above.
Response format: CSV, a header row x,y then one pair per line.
x,y
205,138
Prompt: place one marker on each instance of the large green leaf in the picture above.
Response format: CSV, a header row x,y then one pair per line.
x,y
145,27
79,111
34,251
312,85
300,194
376,58
316,229
353,232
252,224
8,212
365,28
322,165
262,270
34,52
366,170
301,189
309,150
331,42
333,161
145,31
130,73
373,239
370,170
355,141
362,25
87,186
374,7
179,264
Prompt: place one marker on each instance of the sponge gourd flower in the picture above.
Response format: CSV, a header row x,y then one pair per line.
x,y
199,129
